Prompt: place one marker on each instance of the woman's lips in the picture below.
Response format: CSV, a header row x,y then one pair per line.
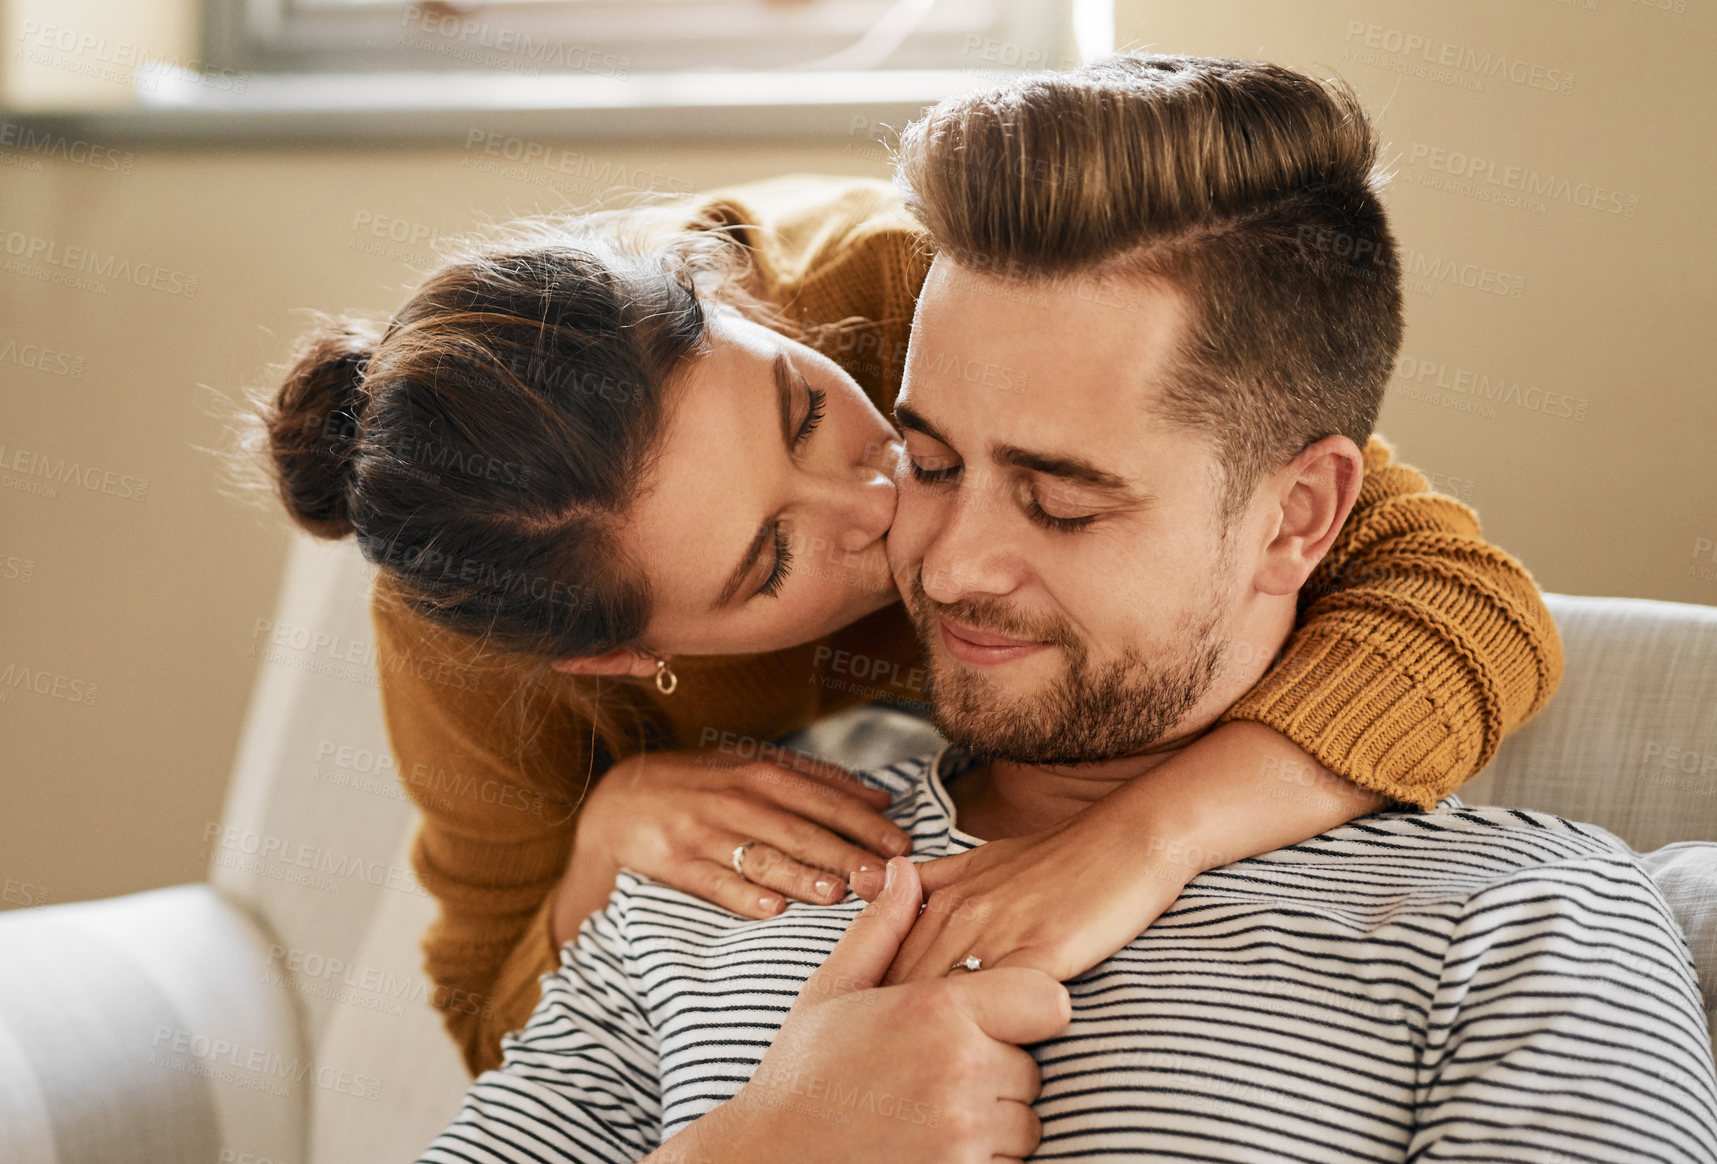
x,y
984,648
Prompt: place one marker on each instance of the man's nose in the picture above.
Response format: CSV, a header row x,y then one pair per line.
x,y
968,555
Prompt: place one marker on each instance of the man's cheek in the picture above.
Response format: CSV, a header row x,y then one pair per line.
x,y
911,533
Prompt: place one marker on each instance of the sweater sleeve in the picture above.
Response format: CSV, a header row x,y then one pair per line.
x,y
840,257
582,1081
1417,647
482,749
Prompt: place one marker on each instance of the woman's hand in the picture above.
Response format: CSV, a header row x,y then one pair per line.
x,y
862,1075
1060,900
676,817
1064,899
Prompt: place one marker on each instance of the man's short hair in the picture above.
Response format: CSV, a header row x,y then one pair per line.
x,y
1250,188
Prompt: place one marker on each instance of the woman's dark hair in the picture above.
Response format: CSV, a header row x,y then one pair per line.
x,y
486,444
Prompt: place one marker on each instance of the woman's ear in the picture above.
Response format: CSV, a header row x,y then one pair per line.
x,y
619,661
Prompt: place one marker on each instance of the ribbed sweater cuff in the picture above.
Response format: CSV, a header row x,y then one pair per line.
x,y
1369,701
517,989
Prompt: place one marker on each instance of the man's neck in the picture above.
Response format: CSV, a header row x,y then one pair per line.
x,y
1003,799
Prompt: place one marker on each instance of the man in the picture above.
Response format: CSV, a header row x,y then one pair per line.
x,y
1187,262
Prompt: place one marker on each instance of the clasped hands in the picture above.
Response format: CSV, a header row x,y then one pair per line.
x,y
1059,900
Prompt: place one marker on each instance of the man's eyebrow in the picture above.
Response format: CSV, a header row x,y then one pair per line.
x,y
910,419
1067,467
743,571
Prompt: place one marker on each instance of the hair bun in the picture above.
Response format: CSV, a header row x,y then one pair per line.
x,y
313,424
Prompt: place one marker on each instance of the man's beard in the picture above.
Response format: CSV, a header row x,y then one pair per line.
x,y
1089,713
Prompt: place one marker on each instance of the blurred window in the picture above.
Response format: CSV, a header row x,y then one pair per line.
x,y
620,38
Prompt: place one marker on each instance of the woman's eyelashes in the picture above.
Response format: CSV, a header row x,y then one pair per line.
x,y
783,565
815,399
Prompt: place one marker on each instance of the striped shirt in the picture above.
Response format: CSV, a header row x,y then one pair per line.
x,y
1460,984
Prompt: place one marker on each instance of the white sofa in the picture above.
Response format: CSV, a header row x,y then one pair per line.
x,y
278,1012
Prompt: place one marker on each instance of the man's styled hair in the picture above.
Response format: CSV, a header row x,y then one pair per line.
x,y
1248,187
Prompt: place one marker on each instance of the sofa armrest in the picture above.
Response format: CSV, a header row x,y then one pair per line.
x,y
1686,872
137,1029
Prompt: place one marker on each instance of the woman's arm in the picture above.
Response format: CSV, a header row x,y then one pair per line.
x,y
523,829
1418,646
494,831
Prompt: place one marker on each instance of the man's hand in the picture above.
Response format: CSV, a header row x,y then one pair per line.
x,y
868,1075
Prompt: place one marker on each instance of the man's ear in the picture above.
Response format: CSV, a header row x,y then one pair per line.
x,y
619,661
1316,492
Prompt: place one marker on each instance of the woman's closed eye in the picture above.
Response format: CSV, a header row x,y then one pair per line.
x,y
815,399
783,565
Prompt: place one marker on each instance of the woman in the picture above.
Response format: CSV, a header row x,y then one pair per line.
x,y
628,501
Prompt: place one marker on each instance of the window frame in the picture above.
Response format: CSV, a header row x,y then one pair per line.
x,y
629,37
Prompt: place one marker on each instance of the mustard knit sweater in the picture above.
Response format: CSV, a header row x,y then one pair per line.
x,y
1418,645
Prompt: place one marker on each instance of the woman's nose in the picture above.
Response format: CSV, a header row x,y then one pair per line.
x,y
865,508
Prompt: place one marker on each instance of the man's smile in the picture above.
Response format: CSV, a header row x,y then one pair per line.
x,y
984,648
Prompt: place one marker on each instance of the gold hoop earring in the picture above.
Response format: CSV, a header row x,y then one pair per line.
x,y
666,680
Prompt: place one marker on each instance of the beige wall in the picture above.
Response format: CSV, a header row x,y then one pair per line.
x,y
150,600
1605,312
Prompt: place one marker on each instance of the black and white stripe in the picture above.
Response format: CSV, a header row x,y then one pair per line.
x,y
1464,984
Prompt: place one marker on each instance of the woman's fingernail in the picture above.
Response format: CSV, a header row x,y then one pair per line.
x,y
769,904
822,885
866,882
898,845
888,878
